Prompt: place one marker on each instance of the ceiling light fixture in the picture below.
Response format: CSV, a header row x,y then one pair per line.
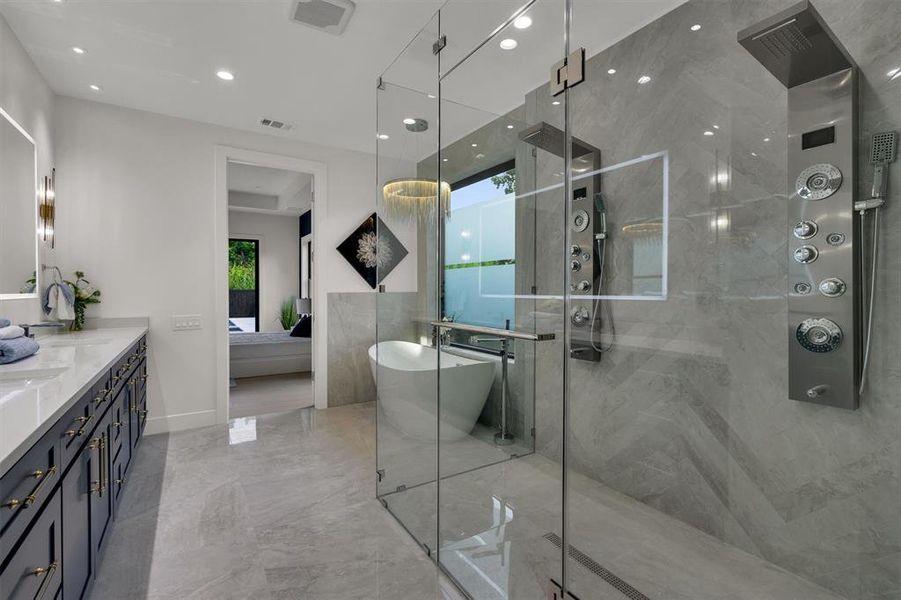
x,y
412,199
78,50
708,133
444,159
611,71
409,121
522,22
225,75
766,139
432,96
644,79
556,103
474,145
695,27
95,87
509,126
508,44
383,136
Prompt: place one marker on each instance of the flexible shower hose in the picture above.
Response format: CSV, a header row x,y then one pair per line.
x,y
869,301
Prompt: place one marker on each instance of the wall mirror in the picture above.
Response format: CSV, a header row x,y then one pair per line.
x,y
18,211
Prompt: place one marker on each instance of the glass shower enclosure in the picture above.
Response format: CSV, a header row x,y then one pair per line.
x,y
648,352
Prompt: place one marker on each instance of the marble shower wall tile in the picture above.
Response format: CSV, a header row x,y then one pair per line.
x,y
352,319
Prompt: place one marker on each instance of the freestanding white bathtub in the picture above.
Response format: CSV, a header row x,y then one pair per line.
x,y
407,377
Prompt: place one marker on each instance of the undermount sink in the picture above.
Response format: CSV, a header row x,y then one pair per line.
x,y
30,375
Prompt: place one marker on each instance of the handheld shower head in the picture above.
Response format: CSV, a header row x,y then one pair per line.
x,y
884,146
882,152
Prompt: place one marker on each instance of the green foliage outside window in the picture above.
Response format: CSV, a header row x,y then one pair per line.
x,y
242,256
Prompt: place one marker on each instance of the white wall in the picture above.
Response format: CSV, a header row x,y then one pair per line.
x,y
27,98
279,259
136,212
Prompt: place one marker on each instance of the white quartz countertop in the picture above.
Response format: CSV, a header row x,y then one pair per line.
x,y
37,391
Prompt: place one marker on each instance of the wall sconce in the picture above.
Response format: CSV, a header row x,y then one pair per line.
x,y
47,209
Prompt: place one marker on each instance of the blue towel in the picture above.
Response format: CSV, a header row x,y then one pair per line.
x,y
67,292
5,322
17,349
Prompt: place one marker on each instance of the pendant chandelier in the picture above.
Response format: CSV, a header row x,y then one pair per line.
x,y
412,199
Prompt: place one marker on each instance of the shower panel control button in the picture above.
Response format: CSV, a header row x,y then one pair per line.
x,y
575,265
580,316
581,220
835,239
819,335
817,182
806,254
817,391
805,230
582,286
575,250
802,288
832,287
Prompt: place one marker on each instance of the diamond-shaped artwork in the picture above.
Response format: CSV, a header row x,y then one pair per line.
x,y
372,252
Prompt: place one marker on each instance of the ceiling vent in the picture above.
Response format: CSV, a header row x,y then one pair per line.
x,y
275,124
326,15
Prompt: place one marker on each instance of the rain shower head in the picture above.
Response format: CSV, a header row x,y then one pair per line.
x,y
550,139
795,45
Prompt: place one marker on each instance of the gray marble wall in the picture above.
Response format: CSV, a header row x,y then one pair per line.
x,y
689,411
352,318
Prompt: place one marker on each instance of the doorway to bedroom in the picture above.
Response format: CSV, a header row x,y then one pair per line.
x,y
269,281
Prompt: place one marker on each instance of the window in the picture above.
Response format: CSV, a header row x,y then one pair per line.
x,y
243,285
480,249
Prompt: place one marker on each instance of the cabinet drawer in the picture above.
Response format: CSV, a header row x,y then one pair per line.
x,y
75,427
26,486
34,571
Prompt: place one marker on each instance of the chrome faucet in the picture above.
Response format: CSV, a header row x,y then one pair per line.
x,y
44,325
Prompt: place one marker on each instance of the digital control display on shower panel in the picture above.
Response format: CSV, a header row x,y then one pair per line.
x,y
818,137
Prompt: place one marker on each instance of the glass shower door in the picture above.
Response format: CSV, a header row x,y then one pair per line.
x,y
403,360
499,499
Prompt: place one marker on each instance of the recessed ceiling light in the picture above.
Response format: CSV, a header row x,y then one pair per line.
x,y
509,126
611,71
225,75
78,50
95,87
708,133
475,145
556,103
409,121
716,126
766,139
522,22
432,96
444,159
509,44
644,79
753,154
383,136
695,27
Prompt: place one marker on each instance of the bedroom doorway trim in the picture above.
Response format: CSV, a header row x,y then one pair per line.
x,y
319,170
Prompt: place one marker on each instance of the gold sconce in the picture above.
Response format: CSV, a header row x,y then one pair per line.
x,y
47,209
412,199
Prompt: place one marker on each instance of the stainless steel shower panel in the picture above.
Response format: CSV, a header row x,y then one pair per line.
x,y
824,302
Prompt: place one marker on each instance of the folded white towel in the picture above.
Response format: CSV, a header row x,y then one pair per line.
x,y
10,332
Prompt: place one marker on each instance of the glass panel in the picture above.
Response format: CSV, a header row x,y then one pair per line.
x,y
499,500
406,256
694,469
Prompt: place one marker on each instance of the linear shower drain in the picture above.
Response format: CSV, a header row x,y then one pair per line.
x,y
592,565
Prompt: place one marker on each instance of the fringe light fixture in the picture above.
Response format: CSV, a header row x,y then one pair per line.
x,y
47,209
412,199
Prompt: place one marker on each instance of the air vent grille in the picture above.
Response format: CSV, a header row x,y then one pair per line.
x,y
275,124
326,15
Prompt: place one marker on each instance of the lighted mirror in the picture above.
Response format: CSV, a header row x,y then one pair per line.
x,y
18,211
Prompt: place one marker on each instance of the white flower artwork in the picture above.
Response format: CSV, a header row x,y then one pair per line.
x,y
373,251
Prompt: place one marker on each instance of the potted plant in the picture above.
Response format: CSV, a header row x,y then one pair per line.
x,y
85,294
288,314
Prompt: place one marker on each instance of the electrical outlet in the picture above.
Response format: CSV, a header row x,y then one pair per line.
x,y
186,322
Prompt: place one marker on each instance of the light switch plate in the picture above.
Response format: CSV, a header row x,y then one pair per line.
x,y
186,322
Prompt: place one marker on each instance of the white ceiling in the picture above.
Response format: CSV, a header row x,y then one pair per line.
x,y
162,56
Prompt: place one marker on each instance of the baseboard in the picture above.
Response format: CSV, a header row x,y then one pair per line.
x,y
191,420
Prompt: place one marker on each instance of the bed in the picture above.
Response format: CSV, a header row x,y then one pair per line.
x,y
253,354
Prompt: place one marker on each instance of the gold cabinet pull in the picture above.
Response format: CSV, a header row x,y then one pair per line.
x,y
99,444
120,481
43,476
81,430
12,503
118,424
48,573
101,396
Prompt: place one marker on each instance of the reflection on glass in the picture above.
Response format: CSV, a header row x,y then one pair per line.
x,y
242,430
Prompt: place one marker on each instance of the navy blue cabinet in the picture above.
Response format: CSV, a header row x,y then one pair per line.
x,y
57,503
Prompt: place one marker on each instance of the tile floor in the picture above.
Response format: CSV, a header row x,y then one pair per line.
x,y
275,507
253,396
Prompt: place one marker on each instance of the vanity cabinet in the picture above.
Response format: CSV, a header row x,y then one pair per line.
x,y
58,502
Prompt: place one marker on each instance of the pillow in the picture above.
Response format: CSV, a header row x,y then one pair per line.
x,y
303,327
